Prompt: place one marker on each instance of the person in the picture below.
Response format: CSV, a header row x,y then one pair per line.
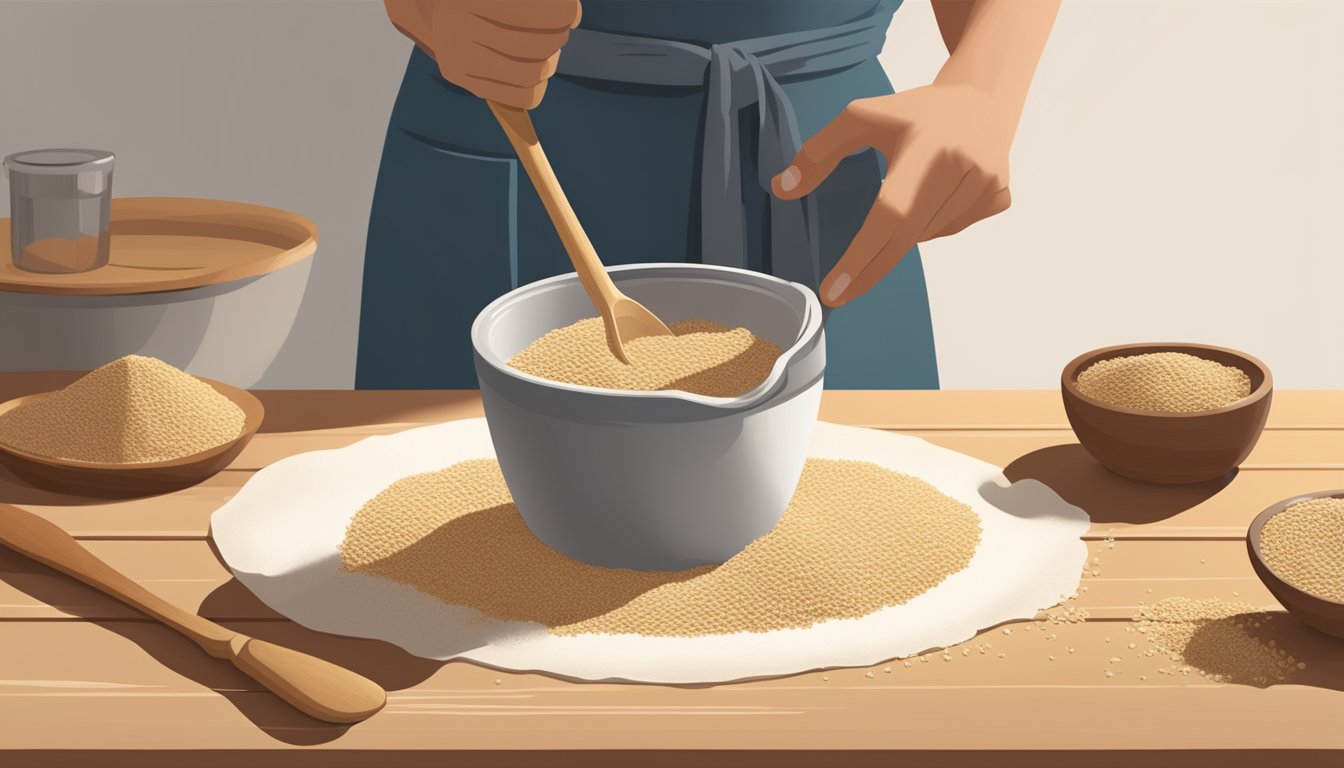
x,y
676,128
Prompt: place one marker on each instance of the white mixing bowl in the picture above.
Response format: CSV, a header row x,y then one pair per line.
x,y
653,480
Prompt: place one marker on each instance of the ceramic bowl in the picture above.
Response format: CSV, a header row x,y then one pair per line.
x,y
659,480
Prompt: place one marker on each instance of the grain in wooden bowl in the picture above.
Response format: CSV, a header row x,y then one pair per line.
x,y
1296,547
134,426
1167,413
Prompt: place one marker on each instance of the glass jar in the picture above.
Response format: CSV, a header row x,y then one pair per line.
x,y
59,202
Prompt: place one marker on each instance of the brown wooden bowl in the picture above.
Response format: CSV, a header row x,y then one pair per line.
x,y
87,478
1172,448
1325,615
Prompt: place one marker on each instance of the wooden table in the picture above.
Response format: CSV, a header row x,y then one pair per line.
x,y
80,674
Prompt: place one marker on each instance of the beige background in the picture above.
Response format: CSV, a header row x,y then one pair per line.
x,y
1178,174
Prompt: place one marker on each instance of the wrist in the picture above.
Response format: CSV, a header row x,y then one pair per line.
x,y
997,104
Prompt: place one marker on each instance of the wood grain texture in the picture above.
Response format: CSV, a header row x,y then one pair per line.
x,y
133,677
187,574
1118,508
176,243
1021,701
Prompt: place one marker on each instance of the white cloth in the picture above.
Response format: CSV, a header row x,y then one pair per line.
x,y
280,535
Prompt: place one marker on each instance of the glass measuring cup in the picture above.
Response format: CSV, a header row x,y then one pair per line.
x,y
59,202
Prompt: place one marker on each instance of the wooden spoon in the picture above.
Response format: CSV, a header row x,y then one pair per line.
x,y
624,318
316,687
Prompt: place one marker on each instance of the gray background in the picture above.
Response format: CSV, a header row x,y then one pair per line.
x,y
277,102
1178,173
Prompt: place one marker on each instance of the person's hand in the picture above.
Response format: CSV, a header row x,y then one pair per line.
x,y
947,168
502,50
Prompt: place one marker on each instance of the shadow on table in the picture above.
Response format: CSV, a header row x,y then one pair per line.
x,y
301,410
1220,647
14,490
1071,472
381,662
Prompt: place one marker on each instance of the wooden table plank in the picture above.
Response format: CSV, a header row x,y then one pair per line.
x,y
1307,448
188,574
290,410
71,656
1119,507
133,678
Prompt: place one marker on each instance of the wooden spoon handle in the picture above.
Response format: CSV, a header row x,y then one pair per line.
x,y
517,125
46,543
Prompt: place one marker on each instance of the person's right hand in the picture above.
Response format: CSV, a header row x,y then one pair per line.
x,y
502,50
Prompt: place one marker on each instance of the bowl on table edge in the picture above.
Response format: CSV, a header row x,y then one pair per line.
x,y
1325,615
86,478
656,480
1169,448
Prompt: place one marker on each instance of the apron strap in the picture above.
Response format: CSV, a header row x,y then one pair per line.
x,y
734,76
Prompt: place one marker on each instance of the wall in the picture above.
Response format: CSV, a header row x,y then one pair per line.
x,y
1178,173
277,102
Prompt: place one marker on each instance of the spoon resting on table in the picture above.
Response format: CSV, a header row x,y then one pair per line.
x,y
625,319
316,687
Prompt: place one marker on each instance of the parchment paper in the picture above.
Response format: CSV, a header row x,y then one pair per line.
x,y
280,536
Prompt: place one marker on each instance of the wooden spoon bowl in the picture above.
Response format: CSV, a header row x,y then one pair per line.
x,y
88,478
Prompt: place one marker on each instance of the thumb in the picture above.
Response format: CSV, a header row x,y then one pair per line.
x,y
820,155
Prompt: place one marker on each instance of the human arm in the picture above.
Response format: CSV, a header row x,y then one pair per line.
x,y
946,143
502,51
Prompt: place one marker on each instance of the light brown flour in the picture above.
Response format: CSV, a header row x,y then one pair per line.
x,y
59,255
1221,639
131,411
1304,546
1170,382
856,538
701,357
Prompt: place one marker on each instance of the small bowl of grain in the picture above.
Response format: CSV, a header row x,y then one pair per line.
x,y
1167,413
682,457
1297,549
134,426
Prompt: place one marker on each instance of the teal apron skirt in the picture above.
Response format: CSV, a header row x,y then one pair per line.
x,y
456,223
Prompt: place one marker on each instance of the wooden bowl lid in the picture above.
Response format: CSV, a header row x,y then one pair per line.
x,y
173,244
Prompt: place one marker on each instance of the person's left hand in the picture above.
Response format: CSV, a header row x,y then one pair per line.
x,y
947,168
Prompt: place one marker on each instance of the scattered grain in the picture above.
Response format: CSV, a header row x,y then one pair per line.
x,y
1216,638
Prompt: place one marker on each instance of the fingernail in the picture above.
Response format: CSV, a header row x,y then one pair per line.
x,y
790,178
838,287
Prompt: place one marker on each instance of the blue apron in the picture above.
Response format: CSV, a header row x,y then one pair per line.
x,y
635,126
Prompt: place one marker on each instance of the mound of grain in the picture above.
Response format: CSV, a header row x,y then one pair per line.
x,y
1224,640
701,357
855,538
1304,546
1168,382
131,411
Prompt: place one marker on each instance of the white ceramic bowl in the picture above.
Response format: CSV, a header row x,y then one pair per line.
x,y
653,480
230,332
